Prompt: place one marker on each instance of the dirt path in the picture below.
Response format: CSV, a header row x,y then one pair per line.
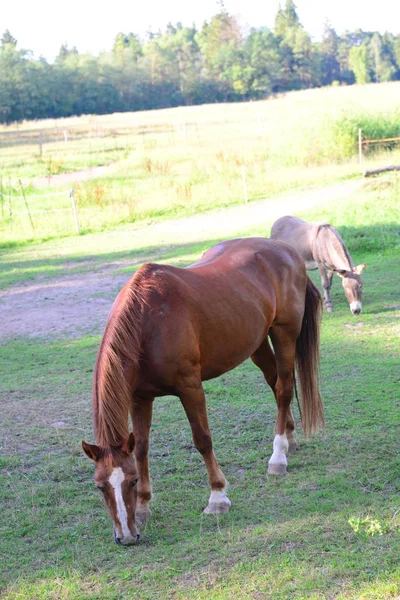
x,y
72,305
73,177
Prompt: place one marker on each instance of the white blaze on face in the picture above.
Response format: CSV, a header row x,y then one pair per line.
x,y
116,479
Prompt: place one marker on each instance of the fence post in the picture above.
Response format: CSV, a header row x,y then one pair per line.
x,y
74,209
26,204
40,143
360,151
246,199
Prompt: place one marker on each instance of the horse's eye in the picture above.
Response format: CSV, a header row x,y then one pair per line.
x,y
133,482
100,487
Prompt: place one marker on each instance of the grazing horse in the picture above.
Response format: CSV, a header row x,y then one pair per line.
x,y
321,247
172,328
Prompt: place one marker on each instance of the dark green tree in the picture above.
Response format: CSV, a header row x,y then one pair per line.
x,y
262,63
220,43
329,50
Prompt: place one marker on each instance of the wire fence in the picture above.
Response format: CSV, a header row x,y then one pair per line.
x,y
33,213
13,218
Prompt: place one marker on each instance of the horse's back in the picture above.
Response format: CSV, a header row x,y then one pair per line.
x,y
229,269
224,270
298,233
237,254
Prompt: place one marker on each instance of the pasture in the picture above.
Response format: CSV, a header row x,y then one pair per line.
x,y
329,529
146,166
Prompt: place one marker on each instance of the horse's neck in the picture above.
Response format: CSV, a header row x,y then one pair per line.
x,y
331,249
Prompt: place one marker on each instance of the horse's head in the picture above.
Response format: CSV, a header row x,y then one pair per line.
x,y
352,285
116,477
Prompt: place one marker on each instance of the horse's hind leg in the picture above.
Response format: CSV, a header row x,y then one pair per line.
x,y
265,360
284,343
194,403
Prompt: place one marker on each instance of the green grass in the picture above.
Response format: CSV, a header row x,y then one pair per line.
x,y
177,162
329,529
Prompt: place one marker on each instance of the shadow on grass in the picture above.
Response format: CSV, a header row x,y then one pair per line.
x,y
360,241
13,271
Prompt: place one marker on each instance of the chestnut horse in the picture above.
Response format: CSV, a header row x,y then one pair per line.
x,y
172,328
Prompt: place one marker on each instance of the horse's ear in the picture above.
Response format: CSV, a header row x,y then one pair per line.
x,y
129,444
359,269
91,450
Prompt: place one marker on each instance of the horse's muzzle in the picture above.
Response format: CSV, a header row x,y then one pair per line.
x,y
126,541
356,308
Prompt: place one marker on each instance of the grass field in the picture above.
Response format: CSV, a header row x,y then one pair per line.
x,y
329,529
135,167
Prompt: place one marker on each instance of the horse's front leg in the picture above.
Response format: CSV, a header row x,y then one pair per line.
x,y
194,403
141,412
326,280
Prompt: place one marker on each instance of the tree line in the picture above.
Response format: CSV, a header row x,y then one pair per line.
x,y
185,66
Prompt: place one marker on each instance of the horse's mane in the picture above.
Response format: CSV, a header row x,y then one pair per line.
x,y
120,348
326,227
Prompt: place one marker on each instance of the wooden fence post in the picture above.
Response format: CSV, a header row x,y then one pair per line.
x,y
360,150
74,210
40,143
26,204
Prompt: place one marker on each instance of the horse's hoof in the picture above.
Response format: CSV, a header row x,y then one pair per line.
x,y
276,469
142,516
218,508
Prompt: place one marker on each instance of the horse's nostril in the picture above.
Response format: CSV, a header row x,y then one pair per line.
x,y
138,537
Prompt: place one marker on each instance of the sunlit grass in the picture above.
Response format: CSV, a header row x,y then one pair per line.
x,y
179,161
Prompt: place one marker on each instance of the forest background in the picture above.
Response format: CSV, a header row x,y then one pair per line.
x,y
218,62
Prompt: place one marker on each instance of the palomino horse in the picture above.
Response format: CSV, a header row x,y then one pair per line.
x,y
321,247
172,328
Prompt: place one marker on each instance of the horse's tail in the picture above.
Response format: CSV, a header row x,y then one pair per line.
x,y
307,361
